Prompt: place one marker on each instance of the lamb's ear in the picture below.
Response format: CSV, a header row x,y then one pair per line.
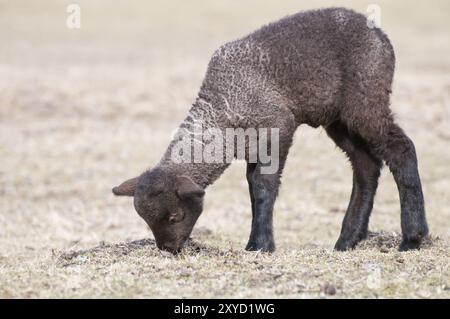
x,y
127,188
187,188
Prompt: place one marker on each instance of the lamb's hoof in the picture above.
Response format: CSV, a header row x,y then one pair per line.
x,y
345,244
266,247
413,236
410,244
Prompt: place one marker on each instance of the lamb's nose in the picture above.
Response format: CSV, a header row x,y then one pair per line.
x,y
171,248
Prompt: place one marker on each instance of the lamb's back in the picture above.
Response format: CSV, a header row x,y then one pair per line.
x,y
307,57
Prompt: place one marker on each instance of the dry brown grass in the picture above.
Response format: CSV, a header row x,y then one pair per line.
x,y
82,110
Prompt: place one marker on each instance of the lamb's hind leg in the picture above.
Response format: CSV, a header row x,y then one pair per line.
x,y
366,171
389,142
400,155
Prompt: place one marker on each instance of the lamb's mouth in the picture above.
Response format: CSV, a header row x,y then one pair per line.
x,y
174,248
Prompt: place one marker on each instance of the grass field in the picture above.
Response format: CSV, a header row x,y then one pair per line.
x,y
83,109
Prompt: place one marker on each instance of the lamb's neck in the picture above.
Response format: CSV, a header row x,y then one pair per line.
x,y
202,117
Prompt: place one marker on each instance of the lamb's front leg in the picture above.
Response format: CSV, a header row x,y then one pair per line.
x,y
264,188
250,170
264,183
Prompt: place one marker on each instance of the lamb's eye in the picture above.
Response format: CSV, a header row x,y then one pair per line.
x,y
155,193
172,219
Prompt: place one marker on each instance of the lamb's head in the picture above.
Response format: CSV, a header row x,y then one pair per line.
x,y
169,203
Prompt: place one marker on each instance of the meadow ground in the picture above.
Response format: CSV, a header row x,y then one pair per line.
x,y
80,110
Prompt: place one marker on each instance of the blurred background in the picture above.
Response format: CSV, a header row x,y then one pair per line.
x,y
83,109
